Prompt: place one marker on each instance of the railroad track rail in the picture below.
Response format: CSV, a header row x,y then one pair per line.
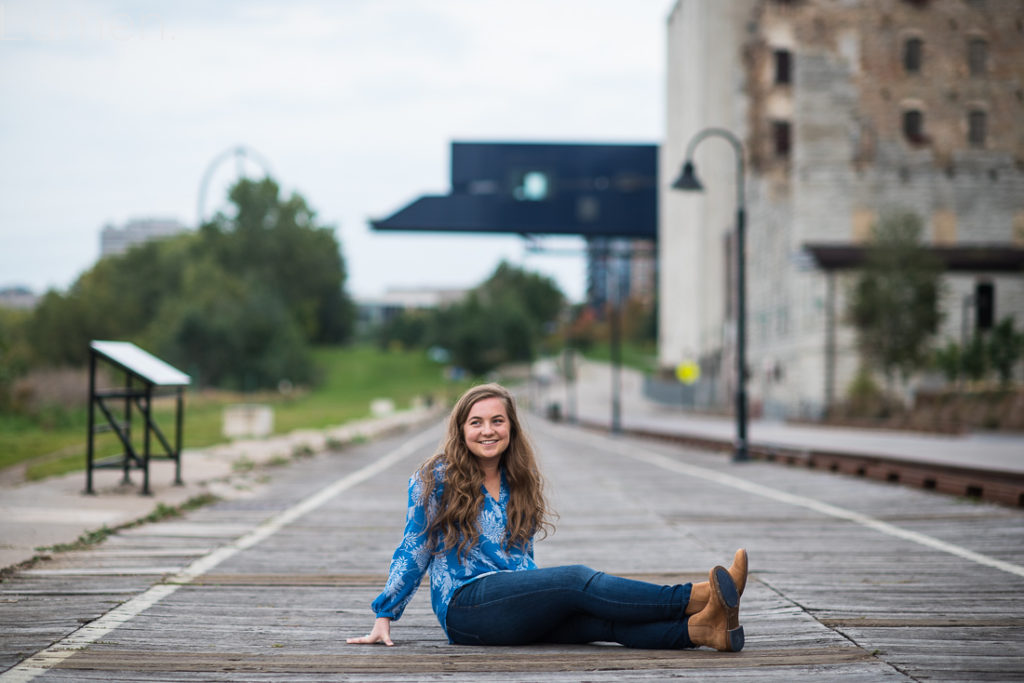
x,y
1006,488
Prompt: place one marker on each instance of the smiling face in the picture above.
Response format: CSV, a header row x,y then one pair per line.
x,y
487,431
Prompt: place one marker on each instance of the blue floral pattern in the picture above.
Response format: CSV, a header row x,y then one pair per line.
x,y
415,555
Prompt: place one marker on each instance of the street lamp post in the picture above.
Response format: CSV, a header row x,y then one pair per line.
x,y
965,326
688,181
614,291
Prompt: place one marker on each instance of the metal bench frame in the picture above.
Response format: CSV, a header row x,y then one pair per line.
x,y
145,377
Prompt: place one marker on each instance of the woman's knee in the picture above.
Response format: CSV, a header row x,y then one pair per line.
x,y
581,574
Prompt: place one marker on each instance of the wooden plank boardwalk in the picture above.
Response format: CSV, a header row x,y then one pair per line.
x,y
851,579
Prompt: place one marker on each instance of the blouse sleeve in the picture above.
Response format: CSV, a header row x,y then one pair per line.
x,y
411,558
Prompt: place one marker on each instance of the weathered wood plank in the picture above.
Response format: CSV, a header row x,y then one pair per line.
x,y
537,659
827,598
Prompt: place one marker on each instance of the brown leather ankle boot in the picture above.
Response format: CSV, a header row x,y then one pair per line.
x,y
699,595
700,592
738,570
718,624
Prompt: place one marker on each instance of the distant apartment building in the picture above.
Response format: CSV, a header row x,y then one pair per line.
x,y
382,309
115,240
18,297
846,110
620,269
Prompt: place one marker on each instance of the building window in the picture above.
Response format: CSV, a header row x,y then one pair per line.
x,y
912,50
984,305
533,186
783,67
977,125
977,56
782,138
913,126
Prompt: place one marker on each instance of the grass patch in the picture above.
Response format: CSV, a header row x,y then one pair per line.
x,y
85,540
351,377
642,357
243,465
25,438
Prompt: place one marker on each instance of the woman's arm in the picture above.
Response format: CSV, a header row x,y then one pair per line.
x,y
408,564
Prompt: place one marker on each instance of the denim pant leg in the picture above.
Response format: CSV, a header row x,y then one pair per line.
x,y
568,604
647,635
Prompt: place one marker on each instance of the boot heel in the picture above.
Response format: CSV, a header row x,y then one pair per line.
x,y
736,639
718,624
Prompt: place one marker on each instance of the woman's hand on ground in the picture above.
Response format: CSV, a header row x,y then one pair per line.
x,y
381,633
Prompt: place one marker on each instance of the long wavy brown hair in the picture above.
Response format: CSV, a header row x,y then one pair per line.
x,y
455,523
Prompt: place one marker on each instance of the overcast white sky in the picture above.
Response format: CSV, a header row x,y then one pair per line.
x,y
112,110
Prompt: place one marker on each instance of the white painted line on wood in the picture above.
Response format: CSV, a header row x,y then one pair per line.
x,y
194,530
52,656
106,553
724,479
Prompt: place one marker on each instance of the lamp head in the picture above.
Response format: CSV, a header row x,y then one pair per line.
x,y
687,180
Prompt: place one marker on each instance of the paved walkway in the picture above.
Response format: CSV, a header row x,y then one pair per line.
x,y
851,579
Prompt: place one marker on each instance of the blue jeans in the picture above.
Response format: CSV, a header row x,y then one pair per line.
x,y
572,604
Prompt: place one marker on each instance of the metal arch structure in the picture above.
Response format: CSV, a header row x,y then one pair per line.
x,y
240,152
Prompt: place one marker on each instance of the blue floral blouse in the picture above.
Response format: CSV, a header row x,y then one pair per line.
x,y
448,572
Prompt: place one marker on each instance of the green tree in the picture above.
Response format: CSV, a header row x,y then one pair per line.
x,y
949,359
472,338
483,336
117,298
1006,346
895,300
59,331
233,333
409,330
15,353
277,241
238,301
538,297
975,358
501,320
